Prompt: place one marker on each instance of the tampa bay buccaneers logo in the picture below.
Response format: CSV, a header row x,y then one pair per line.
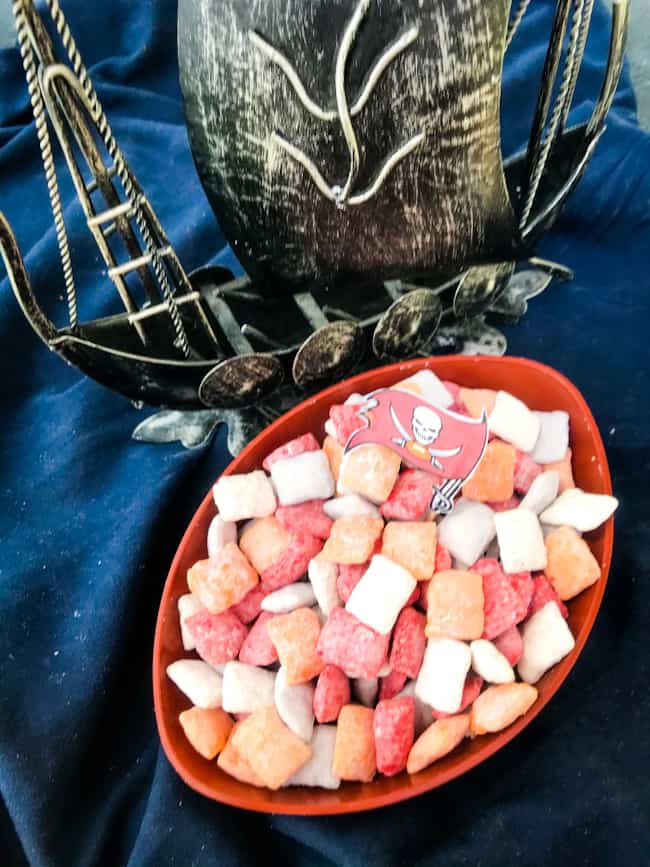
x,y
441,442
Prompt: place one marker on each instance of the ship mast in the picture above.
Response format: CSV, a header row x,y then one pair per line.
x,y
140,260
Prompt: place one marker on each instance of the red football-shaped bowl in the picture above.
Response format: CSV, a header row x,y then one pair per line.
x,y
541,388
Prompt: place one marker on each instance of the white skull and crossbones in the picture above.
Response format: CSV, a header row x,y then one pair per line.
x,y
426,425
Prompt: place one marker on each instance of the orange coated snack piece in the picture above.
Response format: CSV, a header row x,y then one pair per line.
x,y
570,567
222,580
233,763
269,747
412,544
295,636
371,471
499,706
354,754
440,738
565,471
263,542
493,480
334,453
352,539
206,730
455,605
475,400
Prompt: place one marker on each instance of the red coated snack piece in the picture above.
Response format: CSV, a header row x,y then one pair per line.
x,y
351,645
394,730
543,592
331,693
526,471
505,505
523,585
510,644
348,578
346,420
391,685
218,637
251,605
409,642
308,518
410,497
501,602
293,562
423,601
305,443
443,559
414,598
471,691
258,649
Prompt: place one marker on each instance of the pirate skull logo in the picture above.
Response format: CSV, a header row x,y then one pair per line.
x,y
426,425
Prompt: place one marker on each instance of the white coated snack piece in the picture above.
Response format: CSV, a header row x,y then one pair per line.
x,y
381,594
512,421
431,388
318,770
322,575
330,428
200,683
542,492
348,505
244,495
441,679
354,399
521,541
220,533
423,711
188,604
304,477
575,508
546,640
365,690
490,663
553,439
246,687
467,531
286,599
294,705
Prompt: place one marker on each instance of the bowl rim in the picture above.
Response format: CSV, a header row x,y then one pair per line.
x,y
375,801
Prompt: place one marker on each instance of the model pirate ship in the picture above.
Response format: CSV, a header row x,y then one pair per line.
x,y
361,186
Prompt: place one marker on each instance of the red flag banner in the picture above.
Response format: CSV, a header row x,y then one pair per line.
x,y
427,437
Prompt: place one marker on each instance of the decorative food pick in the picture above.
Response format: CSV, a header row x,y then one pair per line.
x,y
342,638
351,152
426,437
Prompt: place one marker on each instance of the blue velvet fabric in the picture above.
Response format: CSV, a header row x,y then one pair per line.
x,y
89,521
